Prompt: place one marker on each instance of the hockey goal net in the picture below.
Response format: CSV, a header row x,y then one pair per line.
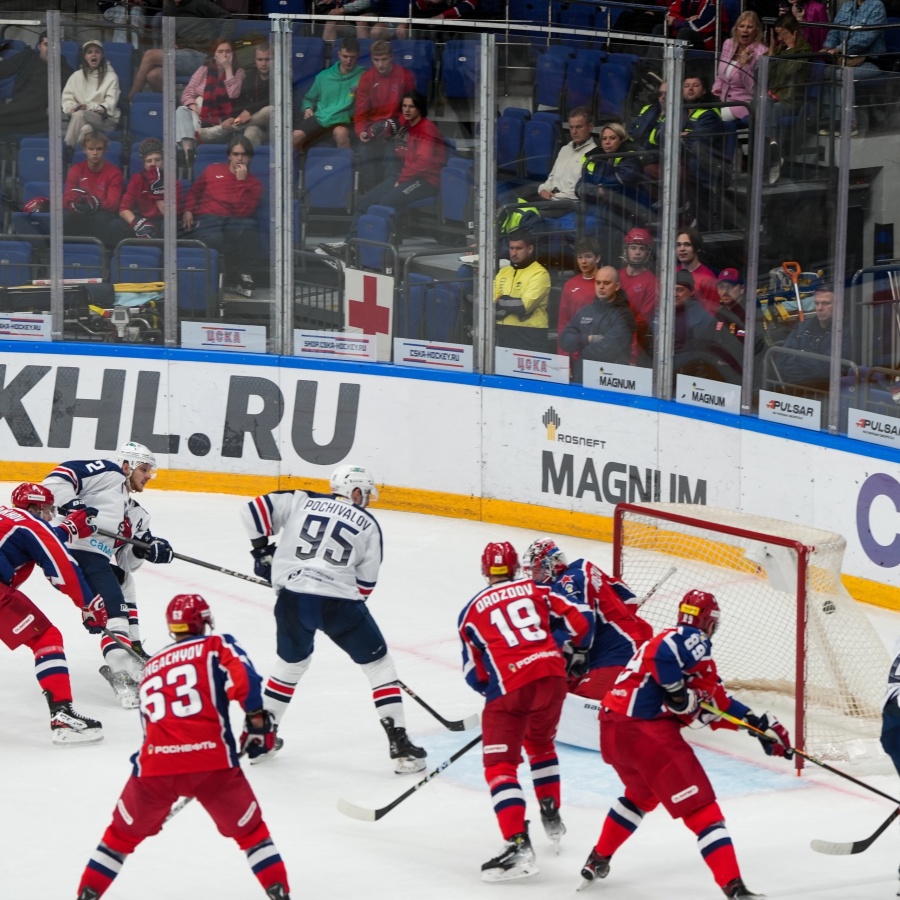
x,y
791,638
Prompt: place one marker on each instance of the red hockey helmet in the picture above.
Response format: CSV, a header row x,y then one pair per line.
x,y
700,609
29,494
499,558
639,236
544,561
188,614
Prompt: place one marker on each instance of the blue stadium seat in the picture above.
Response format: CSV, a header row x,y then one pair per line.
x,y
517,112
308,59
539,147
378,225
581,83
328,185
614,88
15,262
71,53
198,279
120,56
288,7
411,322
509,131
84,258
137,262
442,312
457,196
206,155
550,77
460,69
418,57
145,117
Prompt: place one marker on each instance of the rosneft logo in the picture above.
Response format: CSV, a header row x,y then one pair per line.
x,y
552,421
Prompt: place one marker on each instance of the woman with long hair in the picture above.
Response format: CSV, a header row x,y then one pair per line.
x,y
91,96
736,72
208,102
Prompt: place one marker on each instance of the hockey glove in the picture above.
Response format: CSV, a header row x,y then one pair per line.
x,y
70,507
681,699
262,561
80,201
157,186
777,741
507,306
80,523
94,616
576,661
258,736
158,550
144,228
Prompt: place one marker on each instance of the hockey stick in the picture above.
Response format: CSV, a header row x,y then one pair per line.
x,y
373,815
123,646
454,725
839,848
818,762
666,576
188,559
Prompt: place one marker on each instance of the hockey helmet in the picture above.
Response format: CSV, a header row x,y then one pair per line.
x,y
700,609
136,454
188,614
639,236
346,478
544,561
499,558
29,494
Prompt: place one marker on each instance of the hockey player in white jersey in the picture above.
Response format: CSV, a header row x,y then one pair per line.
x,y
105,485
323,571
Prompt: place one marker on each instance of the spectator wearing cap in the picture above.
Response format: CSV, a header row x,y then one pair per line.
x,y
143,204
578,291
93,193
90,98
727,330
692,324
688,245
639,282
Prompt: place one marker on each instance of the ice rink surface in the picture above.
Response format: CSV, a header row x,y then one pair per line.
x,y
57,800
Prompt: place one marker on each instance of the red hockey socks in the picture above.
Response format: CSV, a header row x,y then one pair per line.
x,y
50,666
507,797
621,822
715,843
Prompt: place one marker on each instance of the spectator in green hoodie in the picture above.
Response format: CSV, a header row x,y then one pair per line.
x,y
328,107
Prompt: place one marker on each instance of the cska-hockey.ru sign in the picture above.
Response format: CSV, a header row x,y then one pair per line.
x,y
253,413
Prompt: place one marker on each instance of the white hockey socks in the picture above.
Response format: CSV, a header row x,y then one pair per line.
x,y
386,695
280,685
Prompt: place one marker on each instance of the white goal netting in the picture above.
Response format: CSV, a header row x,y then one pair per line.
x,y
838,667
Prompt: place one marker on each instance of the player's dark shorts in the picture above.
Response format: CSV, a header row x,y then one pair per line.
x,y
527,716
347,622
655,763
224,793
890,733
101,579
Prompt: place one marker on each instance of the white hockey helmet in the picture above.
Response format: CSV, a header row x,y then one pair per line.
x,y
135,454
346,478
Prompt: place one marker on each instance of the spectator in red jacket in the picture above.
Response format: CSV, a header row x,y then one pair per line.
x,y
92,193
143,204
377,116
578,291
219,210
693,21
423,151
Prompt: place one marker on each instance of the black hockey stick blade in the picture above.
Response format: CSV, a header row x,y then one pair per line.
x,y
123,646
455,724
189,559
846,848
373,815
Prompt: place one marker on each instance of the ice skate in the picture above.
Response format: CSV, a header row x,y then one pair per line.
x,y
408,758
277,892
138,648
124,687
88,894
737,890
516,860
70,727
550,819
597,866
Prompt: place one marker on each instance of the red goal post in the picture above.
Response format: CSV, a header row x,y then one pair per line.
x,y
791,639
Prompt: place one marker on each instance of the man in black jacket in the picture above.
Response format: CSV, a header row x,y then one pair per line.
x,y
602,331
254,102
26,112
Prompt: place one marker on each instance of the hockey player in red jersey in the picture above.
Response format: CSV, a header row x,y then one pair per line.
x,y
510,657
611,608
657,695
26,540
190,751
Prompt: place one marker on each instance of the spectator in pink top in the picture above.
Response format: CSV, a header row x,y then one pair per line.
x,y
812,11
736,73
